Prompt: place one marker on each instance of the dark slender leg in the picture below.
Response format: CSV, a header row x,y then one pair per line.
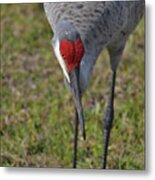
x,y
75,139
108,119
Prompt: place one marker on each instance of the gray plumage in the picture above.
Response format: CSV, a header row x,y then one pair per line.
x,y
101,25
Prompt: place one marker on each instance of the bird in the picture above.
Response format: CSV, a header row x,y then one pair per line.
x,y
81,31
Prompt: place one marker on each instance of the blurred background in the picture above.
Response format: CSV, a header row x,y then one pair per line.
x,y
37,110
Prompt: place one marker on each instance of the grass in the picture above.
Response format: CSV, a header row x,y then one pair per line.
x,y
37,110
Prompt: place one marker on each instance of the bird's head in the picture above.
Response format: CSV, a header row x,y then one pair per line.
x,y
69,50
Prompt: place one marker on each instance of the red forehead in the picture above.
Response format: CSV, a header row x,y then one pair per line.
x,y
72,53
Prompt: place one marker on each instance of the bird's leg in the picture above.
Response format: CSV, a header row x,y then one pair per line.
x,y
108,119
75,138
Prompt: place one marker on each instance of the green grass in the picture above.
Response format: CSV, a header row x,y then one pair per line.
x,y
37,110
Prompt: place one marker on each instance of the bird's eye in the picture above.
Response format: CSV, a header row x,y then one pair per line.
x,y
63,56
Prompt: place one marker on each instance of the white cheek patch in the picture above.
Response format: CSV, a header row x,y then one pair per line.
x,y
61,61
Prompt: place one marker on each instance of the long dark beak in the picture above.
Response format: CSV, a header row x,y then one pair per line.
x,y
75,88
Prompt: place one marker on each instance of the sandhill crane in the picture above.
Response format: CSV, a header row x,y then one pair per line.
x,y
81,31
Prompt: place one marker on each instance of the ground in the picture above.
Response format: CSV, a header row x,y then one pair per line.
x,y
37,110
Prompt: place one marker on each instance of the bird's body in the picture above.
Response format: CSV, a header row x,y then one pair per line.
x,y
100,25
81,31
